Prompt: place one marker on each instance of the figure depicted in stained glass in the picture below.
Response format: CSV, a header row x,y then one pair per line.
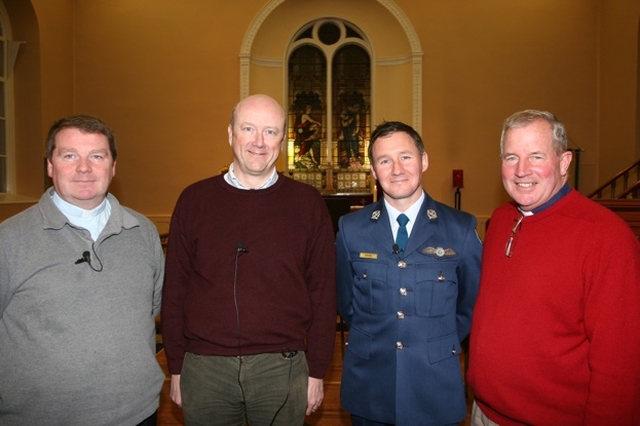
x,y
308,136
350,130
350,125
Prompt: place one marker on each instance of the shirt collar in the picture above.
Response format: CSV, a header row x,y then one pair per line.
x,y
93,220
561,193
231,178
71,210
411,213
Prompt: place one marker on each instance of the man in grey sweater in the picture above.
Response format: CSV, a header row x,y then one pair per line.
x,y
80,285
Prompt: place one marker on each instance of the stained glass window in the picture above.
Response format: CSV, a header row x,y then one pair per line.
x,y
329,98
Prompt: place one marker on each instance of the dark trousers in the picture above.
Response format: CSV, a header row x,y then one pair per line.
x,y
359,421
265,389
149,421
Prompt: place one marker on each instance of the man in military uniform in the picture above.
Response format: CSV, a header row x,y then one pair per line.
x,y
408,273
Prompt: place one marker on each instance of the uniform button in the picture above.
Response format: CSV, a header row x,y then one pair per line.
x,y
399,345
402,264
400,315
441,277
403,291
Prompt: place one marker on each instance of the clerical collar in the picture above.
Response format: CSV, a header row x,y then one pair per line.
x,y
231,178
93,220
561,193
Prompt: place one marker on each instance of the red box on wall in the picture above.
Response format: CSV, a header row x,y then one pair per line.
x,y
458,178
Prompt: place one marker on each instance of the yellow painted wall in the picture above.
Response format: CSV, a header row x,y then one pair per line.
x,y
618,93
166,74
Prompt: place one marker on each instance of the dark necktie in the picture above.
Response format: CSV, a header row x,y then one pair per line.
x,y
403,236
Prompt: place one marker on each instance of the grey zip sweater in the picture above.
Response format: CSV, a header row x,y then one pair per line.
x,y
77,340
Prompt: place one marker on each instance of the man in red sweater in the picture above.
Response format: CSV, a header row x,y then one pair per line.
x,y
555,336
249,302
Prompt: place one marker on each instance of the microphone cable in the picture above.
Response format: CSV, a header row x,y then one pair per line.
x,y
286,353
239,250
86,258
93,249
289,355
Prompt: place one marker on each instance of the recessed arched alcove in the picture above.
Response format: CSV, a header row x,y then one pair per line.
x,y
393,93
396,53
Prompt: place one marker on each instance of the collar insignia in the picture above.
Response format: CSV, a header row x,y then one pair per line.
x,y
432,214
439,251
375,215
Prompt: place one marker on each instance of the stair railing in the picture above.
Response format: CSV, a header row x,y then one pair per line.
x,y
625,184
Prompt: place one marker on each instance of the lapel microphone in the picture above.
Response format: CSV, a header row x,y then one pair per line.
x,y
241,248
86,257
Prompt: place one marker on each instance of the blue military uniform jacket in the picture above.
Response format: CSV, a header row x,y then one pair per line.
x,y
406,315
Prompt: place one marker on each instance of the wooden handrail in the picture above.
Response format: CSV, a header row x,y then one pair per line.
x,y
633,191
611,183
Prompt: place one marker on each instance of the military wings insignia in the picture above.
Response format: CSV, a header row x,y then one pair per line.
x,y
439,251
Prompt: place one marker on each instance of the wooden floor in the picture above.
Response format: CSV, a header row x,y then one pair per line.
x,y
330,413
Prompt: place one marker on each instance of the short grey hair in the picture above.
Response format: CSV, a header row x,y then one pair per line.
x,y
526,117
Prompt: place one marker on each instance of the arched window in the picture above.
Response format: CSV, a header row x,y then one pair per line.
x,y
5,68
8,53
329,99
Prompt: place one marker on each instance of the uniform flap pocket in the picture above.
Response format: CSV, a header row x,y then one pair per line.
x,y
359,343
443,348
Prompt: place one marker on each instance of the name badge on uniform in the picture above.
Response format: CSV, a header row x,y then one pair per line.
x,y
365,255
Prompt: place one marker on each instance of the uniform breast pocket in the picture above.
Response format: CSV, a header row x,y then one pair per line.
x,y
436,290
371,290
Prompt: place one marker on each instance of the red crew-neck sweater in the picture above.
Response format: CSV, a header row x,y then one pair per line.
x,y
555,337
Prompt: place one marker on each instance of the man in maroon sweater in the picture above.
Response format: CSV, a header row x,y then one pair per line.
x,y
555,335
249,303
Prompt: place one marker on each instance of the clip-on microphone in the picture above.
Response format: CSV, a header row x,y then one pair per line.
x,y
86,257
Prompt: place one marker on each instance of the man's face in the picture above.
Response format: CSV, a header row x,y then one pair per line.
x,y
81,167
398,167
256,139
532,172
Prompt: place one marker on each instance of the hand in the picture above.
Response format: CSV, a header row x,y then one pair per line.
x,y
174,390
315,394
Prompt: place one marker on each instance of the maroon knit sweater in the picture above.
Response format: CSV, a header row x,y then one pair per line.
x,y
284,289
555,336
